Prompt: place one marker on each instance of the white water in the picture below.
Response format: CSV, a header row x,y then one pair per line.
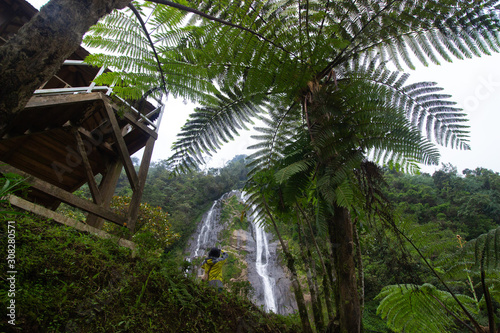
x,y
262,260
205,230
263,253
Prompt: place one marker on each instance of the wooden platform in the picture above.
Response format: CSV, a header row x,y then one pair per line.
x,y
73,133
61,142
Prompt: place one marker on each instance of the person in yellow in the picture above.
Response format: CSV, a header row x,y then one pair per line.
x,y
213,265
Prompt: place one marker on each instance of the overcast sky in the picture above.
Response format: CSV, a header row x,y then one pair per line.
x,y
473,83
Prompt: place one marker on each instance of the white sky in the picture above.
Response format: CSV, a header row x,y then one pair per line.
x,y
473,83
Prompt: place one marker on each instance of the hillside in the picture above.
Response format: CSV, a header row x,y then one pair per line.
x,y
68,281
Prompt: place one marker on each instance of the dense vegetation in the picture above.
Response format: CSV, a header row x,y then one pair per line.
x,y
318,75
432,210
58,264
68,281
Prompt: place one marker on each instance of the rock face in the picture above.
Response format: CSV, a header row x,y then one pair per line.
x,y
254,248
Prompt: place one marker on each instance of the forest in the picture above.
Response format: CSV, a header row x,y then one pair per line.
x,y
440,213
370,243
442,221
407,273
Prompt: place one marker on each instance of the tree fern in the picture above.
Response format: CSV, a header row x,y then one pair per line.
x,y
412,308
317,75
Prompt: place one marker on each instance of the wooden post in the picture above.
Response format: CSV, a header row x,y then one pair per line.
x,y
94,190
107,188
122,148
133,210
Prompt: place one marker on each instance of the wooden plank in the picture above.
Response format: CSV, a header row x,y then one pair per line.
x,y
135,202
39,210
42,101
65,196
106,147
122,148
94,190
140,126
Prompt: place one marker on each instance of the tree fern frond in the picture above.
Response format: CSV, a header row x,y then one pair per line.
x,y
412,308
426,108
211,125
485,248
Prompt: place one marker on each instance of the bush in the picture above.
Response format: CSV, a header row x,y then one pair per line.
x,y
153,231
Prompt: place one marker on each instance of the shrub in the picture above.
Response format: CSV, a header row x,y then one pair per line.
x,y
153,230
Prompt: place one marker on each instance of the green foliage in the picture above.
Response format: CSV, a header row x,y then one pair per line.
x,y
411,308
69,281
318,77
10,183
186,197
425,308
469,205
153,229
276,53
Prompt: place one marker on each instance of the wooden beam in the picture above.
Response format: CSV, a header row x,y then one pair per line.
x,y
42,211
101,145
123,152
107,188
131,120
133,210
94,190
65,196
41,101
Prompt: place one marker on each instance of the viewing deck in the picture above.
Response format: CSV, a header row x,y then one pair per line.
x,y
73,132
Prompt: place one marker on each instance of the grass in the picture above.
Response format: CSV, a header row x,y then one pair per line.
x,y
69,281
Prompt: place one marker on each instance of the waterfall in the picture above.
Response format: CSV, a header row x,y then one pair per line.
x,y
205,229
262,260
207,235
257,251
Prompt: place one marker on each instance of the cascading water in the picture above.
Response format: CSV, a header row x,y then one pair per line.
x,y
262,260
207,235
205,229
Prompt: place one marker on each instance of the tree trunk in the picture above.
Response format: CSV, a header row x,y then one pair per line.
x,y
40,47
361,274
347,299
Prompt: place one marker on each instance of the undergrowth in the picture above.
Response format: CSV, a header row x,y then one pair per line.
x,y
69,281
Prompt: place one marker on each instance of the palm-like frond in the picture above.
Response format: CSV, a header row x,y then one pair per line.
x,y
483,251
412,308
130,55
424,106
291,46
400,31
213,124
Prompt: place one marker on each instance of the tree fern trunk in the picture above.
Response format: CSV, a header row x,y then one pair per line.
x,y
347,304
40,47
